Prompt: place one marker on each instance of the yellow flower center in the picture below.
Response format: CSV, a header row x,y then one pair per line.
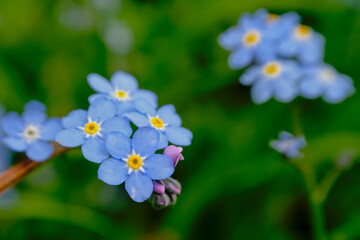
x,y
302,32
272,69
157,122
135,162
120,94
91,128
251,38
272,18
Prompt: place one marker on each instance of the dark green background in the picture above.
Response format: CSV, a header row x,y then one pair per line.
x,y
234,185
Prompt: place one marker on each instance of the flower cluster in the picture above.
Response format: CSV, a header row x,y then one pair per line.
x,y
106,136
286,58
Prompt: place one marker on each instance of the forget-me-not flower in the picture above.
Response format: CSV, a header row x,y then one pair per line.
x,y
89,129
165,120
304,43
135,162
248,41
278,79
289,145
123,89
32,132
325,81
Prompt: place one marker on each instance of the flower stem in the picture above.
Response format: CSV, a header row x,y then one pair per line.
x,y
16,173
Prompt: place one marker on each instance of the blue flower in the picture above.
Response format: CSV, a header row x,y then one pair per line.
x,y
325,81
289,145
123,89
32,132
304,43
135,162
5,154
248,41
165,121
279,25
90,128
278,79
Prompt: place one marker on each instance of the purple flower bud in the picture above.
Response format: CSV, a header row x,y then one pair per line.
x,y
174,153
159,186
160,200
172,186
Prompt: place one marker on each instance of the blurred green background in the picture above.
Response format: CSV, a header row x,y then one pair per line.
x,y
234,185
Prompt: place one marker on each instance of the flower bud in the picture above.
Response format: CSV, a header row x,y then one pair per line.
x,y
174,153
172,186
159,186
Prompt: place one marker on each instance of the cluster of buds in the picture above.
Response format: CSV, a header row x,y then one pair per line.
x,y
166,191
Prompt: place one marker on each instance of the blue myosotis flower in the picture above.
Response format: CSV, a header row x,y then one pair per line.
x,y
304,43
289,145
278,79
32,132
135,162
325,81
248,41
90,128
123,89
165,121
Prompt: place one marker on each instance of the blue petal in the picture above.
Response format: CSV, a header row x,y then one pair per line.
x,y
159,167
250,76
99,83
285,91
95,96
179,136
70,137
240,58
139,186
124,81
289,47
12,124
145,141
262,91
76,118
145,107
311,88
113,172
102,109
124,107
50,128
15,143
94,150
39,151
118,145
35,106
231,38
138,119
34,117
149,96
285,136
163,143
118,124
168,114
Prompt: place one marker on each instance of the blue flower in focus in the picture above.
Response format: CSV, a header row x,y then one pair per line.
x,y
135,162
123,89
289,145
248,41
89,129
304,43
165,121
32,132
325,81
278,79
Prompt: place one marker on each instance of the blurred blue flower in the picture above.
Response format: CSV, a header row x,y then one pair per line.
x,y
32,132
278,79
248,40
90,128
123,89
289,145
325,81
165,120
304,43
135,162
5,154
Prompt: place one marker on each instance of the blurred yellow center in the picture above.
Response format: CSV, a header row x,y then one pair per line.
x,y
272,17
251,38
157,122
91,128
120,94
302,32
135,162
272,69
